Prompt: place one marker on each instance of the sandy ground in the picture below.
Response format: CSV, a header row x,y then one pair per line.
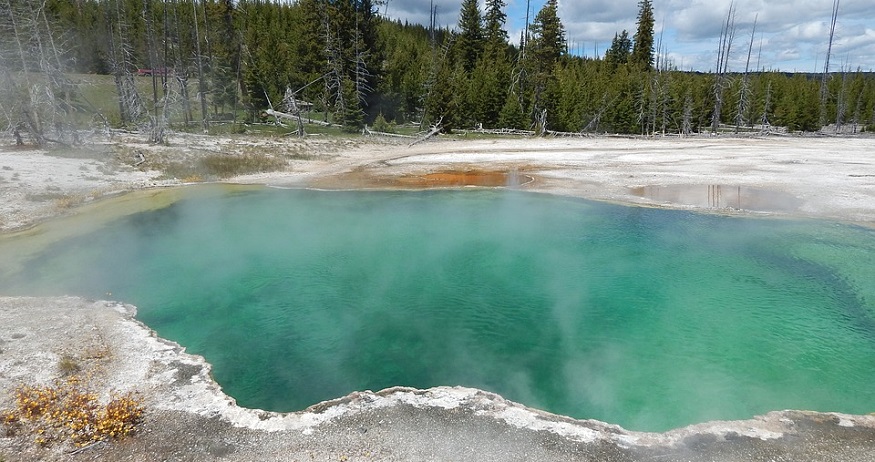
x,y
189,418
818,177
821,177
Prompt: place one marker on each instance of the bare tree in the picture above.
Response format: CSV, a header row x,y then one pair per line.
x,y
641,99
56,79
687,125
290,106
858,106
157,120
334,82
201,83
824,78
525,38
131,108
362,74
744,91
181,69
841,102
660,97
727,35
655,84
541,123
767,104
593,124
17,101
36,96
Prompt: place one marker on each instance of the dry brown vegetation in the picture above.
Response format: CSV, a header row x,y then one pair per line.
x,y
67,411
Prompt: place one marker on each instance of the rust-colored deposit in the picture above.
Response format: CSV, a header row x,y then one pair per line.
x,y
441,179
456,178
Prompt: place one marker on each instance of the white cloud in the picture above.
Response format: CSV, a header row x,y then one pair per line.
x,y
418,11
793,33
602,11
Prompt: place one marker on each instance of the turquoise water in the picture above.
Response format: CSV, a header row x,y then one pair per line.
x,y
651,319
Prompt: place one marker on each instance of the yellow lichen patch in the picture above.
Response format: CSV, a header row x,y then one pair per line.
x,y
66,411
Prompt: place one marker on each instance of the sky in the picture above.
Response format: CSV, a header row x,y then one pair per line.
x,y
790,35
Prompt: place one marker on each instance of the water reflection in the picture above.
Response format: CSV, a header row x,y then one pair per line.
x,y
720,197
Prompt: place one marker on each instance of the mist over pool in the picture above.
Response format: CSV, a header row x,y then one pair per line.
x,y
651,319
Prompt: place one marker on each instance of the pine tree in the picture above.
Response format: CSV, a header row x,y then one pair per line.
x,y
352,115
512,115
546,47
491,77
327,51
620,50
223,49
488,90
440,96
496,35
312,60
469,43
642,51
548,41
355,24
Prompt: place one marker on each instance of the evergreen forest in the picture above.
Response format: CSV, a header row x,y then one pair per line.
x,y
202,63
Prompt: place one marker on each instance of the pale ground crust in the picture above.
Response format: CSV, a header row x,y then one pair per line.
x,y
189,418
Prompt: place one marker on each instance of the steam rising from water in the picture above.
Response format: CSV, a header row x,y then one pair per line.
x,y
647,318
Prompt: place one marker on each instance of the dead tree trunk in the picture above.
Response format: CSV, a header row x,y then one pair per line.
x,y
201,85
60,84
290,105
593,124
687,125
180,71
764,119
641,101
744,95
841,103
727,35
541,123
131,106
824,78
435,129
23,98
156,120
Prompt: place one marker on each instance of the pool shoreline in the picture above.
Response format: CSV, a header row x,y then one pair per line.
x,y
822,177
182,400
441,423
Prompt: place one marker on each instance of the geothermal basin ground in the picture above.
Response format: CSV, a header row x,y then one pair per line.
x,y
189,418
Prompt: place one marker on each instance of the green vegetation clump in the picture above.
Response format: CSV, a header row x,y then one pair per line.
x,y
381,125
225,166
68,365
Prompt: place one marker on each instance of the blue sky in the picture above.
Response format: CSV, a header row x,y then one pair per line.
x,y
791,35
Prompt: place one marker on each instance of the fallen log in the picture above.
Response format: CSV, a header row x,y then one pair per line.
x,y
435,129
369,132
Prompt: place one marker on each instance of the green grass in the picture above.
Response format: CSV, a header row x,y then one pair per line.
x,y
68,365
222,166
98,93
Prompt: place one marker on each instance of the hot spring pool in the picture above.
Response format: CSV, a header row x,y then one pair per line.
x,y
651,319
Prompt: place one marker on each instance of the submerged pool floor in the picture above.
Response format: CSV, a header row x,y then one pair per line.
x,y
651,319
